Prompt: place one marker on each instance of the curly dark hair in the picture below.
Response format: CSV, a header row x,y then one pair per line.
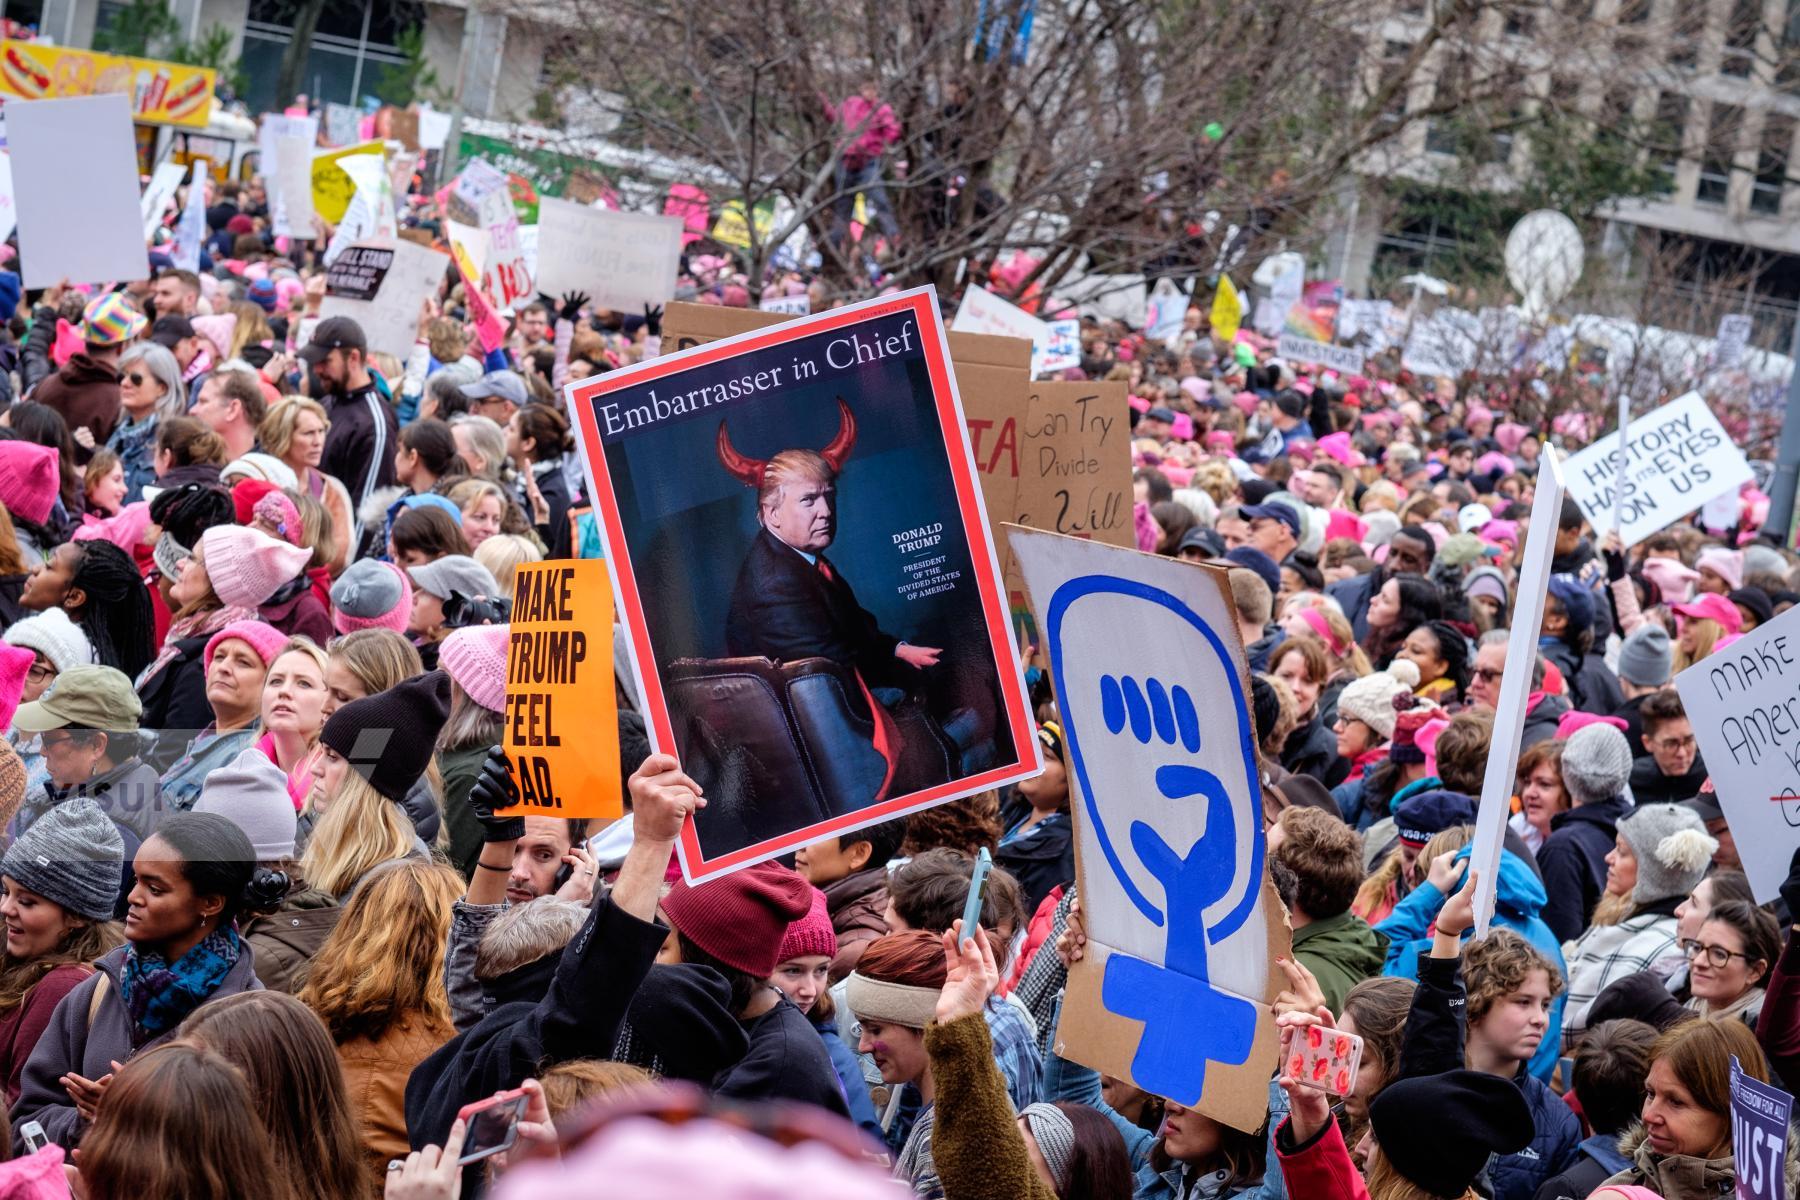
x,y
966,824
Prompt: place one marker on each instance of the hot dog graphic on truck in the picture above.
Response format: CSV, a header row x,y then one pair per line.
x,y
162,93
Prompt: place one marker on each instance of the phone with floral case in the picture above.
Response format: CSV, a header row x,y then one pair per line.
x,y
1325,1059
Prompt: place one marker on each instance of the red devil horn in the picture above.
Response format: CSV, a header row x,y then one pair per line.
x,y
748,471
839,450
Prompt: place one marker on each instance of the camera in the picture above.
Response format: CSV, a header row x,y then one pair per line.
x,y
461,610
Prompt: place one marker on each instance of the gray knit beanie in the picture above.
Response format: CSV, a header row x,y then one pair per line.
x,y
1672,848
251,792
1054,1134
1596,763
73,856
1646,658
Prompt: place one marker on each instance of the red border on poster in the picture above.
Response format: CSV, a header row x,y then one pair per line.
x,y
922,303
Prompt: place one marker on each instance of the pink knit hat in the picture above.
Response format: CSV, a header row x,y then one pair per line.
x,y
217,328
28,480
1575,720
1726,564
1671,576
1509,434
277,511
811,934
260,636
475,656
15,664
247,565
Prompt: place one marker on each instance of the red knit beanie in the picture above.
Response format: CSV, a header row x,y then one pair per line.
x,y
741,919
811,934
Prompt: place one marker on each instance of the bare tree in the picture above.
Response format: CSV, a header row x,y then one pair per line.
x,y
1099,135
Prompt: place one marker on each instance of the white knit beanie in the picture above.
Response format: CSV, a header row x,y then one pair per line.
x,y
53,635
1371,698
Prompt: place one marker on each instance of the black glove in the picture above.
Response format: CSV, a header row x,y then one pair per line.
x,y
1615,565
494,788
1790,889
653,319
572,304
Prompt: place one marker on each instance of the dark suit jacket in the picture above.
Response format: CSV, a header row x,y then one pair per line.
x,y
784,608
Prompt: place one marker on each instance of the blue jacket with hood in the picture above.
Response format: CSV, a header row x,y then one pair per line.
x,y
1518,899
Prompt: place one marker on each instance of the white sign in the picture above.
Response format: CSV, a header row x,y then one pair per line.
x,y
983,312
370,216
1167,311
793,306
1345,360
391,320
158,194
274,127
9,213
434,129
293,180
1364,323
1122,298
1676,459
622,260
1063,351
1733,336
343,124
1740,701
1721,512
1437,347
1182,925
1270,316
75,185
1515,686
190,231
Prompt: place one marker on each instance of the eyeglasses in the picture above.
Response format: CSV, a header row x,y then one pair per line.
x,y
1718,956
1486,674
1682,743
40,670
47,742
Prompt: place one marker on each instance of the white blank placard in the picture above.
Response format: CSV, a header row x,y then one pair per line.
x,y
75,185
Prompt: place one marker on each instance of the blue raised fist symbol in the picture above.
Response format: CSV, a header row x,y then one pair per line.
x,y
1187,1022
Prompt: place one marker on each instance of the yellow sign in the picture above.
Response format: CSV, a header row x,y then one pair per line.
x,y
332,186
1227,310
562,715
162,93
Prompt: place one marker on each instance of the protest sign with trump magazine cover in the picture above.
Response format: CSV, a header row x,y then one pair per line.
x,y
806,577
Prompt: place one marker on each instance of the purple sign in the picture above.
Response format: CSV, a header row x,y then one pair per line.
x,y
1759,1121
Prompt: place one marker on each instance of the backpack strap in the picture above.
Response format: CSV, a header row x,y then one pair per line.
x,y
99,996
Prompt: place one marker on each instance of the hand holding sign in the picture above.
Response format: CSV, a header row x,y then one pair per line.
x,y
662,799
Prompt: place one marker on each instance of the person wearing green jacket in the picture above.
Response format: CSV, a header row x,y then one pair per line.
x,y
1316,861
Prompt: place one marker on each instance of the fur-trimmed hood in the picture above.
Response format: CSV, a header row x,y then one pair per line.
x,y
1680,1177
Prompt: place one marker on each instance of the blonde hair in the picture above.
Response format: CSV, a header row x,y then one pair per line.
x,y
381,658
1387,1183
316,532
384,960
277,428
468,492
1374,889
1707,633
502,553
360,830
252,327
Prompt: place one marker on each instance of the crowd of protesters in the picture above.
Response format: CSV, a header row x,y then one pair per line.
x,y
266,935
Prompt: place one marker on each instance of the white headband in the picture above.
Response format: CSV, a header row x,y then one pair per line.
x,y
894,1003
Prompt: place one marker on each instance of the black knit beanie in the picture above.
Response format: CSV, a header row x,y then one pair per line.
x,y
1438,1130
389,737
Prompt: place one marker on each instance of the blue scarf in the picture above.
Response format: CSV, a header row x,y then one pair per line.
x,y
159,994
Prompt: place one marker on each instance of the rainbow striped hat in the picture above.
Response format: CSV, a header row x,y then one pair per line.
x,y
110,321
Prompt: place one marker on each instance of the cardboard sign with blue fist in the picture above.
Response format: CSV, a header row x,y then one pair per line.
x,y
1183,926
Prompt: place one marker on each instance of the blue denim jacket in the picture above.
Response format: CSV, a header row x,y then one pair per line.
x,y
135,444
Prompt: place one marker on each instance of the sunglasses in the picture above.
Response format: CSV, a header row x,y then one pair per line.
x,y
136,379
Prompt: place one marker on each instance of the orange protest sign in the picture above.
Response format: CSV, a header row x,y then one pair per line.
x,y
561,711
162,93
